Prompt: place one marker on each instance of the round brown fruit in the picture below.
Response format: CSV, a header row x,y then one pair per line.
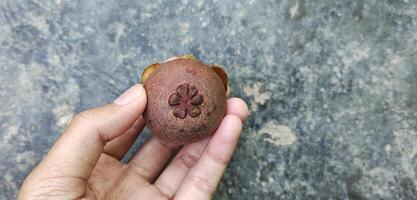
x,y
186,99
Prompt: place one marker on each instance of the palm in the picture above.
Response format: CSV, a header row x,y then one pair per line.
x,y
112,179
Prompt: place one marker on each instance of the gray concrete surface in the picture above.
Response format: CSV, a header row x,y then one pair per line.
x,y
331,85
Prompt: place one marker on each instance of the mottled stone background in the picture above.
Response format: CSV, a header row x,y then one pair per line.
x,y
331,84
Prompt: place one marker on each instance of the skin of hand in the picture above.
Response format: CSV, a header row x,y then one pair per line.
x,y
85,163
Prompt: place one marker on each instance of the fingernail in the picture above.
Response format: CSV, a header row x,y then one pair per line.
x,y
129,95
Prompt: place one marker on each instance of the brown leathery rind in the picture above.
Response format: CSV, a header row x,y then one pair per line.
x,y
204,115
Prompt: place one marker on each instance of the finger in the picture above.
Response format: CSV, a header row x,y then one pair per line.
x,y
171,178
151,158
237,107
77,151
118,147
202,180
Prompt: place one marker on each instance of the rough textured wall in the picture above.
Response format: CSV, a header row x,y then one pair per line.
x,y
332,85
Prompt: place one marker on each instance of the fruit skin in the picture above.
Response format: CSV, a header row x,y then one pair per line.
x,y
162,118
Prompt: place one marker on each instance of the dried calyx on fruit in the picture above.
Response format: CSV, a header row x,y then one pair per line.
x,y
186,99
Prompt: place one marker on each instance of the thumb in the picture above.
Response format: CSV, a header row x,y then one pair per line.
x,y
77,151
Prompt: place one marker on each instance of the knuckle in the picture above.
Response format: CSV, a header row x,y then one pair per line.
x,y
87,114
140,170
166,189
217,158
188,159
203,185
83,117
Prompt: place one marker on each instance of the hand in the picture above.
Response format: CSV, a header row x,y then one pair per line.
x,y
85,161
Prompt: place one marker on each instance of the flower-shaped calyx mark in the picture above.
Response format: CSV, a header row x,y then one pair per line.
x,y
186,100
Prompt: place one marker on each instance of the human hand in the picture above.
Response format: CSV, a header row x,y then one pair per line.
x,y
84,163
